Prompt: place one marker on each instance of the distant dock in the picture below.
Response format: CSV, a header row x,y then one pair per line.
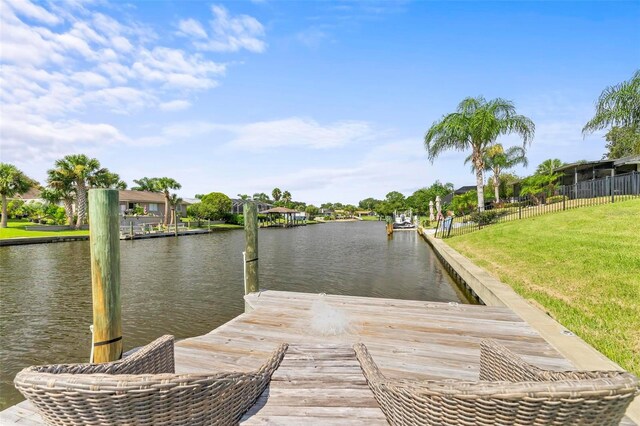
x,y
162,234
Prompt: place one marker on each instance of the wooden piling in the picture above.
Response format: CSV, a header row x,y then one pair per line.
x,y
104,241
250,211
175,222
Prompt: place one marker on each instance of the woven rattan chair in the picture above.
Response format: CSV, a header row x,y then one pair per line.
x,y
510,392
142,389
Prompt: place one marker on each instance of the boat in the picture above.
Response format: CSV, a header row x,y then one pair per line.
x,y
403,221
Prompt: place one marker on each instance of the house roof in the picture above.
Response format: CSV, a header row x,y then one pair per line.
x,y
280,210
632,159
602,164
143,197
31,194
465,189
581,165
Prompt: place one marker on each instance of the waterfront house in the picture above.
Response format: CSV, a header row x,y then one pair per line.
x,y
151,202
582,171
237,205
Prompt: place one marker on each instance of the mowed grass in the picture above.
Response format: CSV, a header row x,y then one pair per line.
x,y
16,229
582,265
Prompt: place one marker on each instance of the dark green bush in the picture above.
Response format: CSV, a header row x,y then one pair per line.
x,y
486,217
235,219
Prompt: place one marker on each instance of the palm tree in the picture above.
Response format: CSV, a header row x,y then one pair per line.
x,y
476,125
174,202
617,105
498,160
145,184
60,188
276,193
543,181
261,197
85,173
108,180
547,167
286,196
12,181
164,185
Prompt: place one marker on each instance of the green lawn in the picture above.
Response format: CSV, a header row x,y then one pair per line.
x,y
16,229
582,265
225,226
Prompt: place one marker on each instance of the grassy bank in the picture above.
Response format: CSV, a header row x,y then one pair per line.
x,y
582,265
225,226
16,229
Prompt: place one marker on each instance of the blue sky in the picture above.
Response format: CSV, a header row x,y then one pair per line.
x,y
329,100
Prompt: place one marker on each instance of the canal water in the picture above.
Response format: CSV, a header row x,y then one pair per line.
x,y
188,286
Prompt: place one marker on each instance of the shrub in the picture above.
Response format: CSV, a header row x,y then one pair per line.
x,y
214,206
486,217
15,209
555,199
465,202
235,219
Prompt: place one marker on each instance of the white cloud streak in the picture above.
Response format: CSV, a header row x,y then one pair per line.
x,y
227,33
295,132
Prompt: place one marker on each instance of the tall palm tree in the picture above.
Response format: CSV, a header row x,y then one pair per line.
x,y
174,202
498,160
145,184
164,185
12,181
476,125
60,188
618,105
286,196
85,173
276,194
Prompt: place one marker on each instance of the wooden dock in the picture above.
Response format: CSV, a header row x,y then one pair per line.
x,y
319,380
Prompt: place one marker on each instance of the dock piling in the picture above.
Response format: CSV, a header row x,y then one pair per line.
x,y
104,242
250,211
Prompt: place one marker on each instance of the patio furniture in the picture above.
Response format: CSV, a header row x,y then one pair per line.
x,y
142,389
510,392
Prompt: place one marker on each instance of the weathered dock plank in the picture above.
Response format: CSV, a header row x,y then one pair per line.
x,y
319,381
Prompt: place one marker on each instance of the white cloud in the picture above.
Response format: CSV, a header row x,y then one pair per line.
x,y
176,105
289,132
228,33
191,27
51,139
90,79
59,64
30,10
174,67
299,132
